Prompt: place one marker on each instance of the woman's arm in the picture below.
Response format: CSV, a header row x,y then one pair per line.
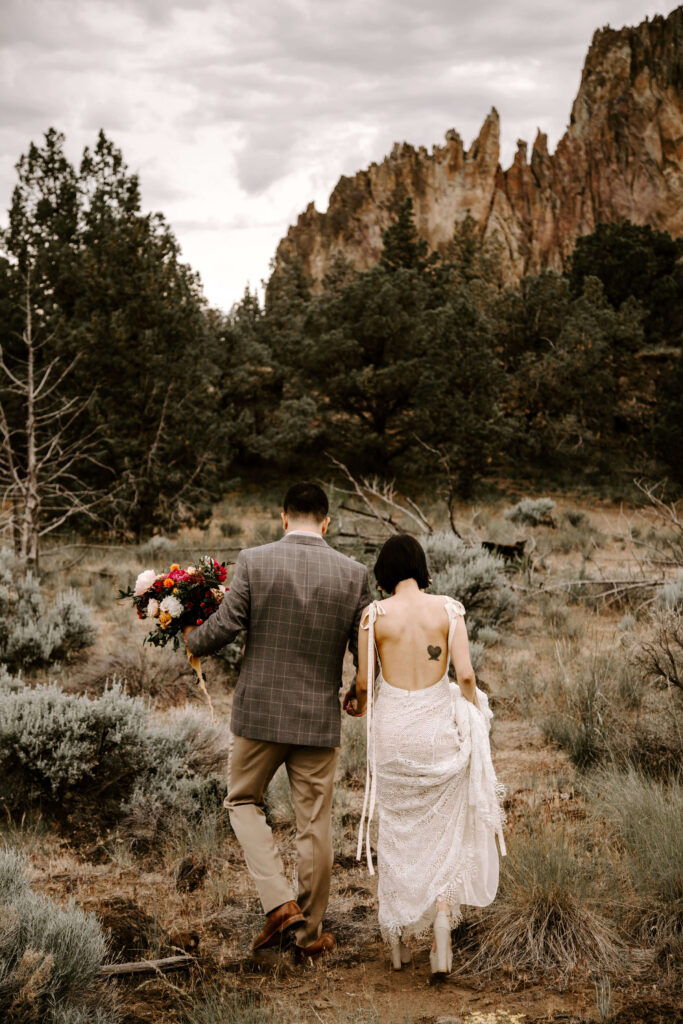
x,y
460,654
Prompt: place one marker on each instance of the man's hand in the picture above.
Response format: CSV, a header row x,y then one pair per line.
x,y
352,705
186,632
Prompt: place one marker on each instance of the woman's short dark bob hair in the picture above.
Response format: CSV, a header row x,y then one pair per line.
x,y
401,558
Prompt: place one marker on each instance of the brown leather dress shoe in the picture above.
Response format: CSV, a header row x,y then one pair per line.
x,y
279,923
324,944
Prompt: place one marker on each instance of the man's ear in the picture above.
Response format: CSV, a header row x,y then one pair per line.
x,y
326,523
285,521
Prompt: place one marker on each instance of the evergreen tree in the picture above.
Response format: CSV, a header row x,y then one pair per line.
x,y
563,395
639,261
402,246
114,293
669,426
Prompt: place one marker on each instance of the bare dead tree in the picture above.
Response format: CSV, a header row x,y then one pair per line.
x,y
379,502
449,490
40,450
659,654
667,548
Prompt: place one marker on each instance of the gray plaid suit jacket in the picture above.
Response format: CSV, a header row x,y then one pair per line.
x,y
300,602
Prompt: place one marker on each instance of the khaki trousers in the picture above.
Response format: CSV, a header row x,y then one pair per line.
x,y
311,777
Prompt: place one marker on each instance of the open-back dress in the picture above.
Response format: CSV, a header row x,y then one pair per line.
x,y
440,804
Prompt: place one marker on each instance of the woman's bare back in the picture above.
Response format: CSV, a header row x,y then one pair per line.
x,y
412,639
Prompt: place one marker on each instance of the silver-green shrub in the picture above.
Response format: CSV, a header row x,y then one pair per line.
x,y
8,681
60,749
190,754
34,632
53,743
472,575
670,595
50,956
531,511
157,547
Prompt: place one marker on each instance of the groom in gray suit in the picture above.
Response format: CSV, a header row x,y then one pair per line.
x,y
300,602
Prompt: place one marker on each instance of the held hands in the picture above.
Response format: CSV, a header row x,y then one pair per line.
x,y
354,705
186,632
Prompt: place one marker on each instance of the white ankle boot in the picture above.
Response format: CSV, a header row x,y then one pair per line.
x,y
441,958
400,954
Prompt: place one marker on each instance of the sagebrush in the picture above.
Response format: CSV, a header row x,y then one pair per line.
x,y
104,755
34,631
50,956
471,574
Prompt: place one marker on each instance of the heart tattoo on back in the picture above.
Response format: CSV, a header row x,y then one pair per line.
x,y
433,652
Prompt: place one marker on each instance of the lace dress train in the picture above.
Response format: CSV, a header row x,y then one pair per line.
x,y
439,802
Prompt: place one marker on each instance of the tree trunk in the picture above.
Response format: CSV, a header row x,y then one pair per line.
x,y
32,503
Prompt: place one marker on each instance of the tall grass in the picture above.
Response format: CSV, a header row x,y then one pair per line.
x,y
352,753
83,1015
647,817
583,720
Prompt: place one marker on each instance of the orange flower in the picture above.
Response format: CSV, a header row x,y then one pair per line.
x,y
174,567
165,620
169,582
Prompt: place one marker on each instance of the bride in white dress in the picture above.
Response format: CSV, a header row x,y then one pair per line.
x,y
429,761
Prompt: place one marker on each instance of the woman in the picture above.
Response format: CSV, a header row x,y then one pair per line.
x,y
429,760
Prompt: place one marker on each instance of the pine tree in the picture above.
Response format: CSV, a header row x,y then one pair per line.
x,y
403,247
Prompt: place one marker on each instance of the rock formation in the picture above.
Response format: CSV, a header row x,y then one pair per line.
x,y
620,157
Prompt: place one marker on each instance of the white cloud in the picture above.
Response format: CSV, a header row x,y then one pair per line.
x,y
237,114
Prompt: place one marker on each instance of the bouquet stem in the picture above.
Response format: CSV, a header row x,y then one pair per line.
x,y
196,664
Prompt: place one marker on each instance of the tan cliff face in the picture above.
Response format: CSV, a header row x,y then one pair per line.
x,y
621,157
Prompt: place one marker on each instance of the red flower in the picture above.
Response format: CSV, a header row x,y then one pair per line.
x,y
199,621
180,574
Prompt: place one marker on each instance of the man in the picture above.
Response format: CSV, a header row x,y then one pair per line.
x,y
300,603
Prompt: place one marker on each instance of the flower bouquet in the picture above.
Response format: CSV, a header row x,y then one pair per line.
x,y
176,599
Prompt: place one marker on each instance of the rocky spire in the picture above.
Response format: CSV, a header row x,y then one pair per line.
x,y
620,157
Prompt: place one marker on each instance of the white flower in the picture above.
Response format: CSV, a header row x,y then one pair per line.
x,y
144,581
172,605
153,607
191,569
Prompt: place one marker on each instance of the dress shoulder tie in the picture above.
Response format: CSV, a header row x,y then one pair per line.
x,y
368,622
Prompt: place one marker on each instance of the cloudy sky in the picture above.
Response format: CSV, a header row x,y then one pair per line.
x,y
237,113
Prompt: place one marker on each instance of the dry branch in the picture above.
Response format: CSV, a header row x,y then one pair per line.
x,y
612,589
169,963
381,504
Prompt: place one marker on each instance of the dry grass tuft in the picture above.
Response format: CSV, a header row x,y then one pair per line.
x,y
544,919
229,1006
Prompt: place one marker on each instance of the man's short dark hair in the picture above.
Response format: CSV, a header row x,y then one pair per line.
x,y
306,500
401,558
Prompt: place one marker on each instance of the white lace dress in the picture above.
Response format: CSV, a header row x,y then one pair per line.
x,y
440,804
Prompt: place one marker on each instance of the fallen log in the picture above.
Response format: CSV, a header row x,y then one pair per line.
x,y
168,963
